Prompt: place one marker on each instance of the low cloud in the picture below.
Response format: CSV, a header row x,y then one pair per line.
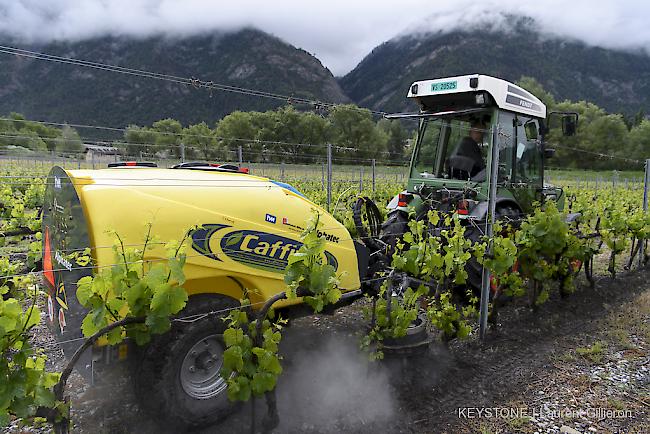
x,y
340,33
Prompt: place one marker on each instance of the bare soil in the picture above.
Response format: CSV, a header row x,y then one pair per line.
x,y
581,363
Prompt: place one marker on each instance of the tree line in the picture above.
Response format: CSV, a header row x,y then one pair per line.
x,y
599,133
20,136
293,136
282,135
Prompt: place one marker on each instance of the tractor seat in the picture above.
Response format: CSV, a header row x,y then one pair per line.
x,y
460,167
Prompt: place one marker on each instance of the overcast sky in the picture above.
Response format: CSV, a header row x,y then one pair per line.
x,y
339,32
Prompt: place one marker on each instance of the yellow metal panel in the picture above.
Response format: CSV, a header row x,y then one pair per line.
x,y
251,225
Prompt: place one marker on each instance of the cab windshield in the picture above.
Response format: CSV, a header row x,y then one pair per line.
x,y
453,147
457,147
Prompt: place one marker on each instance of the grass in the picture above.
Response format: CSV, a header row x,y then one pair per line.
x,y
567,357
592,175
629,320
593,353
518,422
484,429
620,336
615,404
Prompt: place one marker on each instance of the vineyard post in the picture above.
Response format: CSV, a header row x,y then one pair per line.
x,y
646,185
282,171
360,179
240,155
92,159
182,146
489,221
373,176
329,176
322,175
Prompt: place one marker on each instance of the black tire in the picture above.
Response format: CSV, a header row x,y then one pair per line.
x,y
393,229
161,383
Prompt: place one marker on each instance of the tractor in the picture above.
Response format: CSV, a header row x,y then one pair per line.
x,y
460,120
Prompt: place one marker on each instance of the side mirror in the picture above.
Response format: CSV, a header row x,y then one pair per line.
x,y
549,153
531,130
569,124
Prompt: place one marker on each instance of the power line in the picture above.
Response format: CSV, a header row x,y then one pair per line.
x,y
211,85
188,81
598,154
263,152
344,161
173,145
181,135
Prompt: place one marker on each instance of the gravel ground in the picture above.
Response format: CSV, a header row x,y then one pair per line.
x,y
596,382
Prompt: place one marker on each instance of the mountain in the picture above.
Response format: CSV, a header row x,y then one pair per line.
x,y
247,58
618,81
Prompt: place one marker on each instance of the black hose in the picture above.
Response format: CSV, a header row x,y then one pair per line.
x,y
369,235
373,216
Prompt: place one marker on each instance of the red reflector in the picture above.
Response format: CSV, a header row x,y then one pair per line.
x,y
576,264
47,260
243,169
403,199
131,163
214,165
494,283
463,207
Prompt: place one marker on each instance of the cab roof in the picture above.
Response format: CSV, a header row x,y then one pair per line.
x,y
506,95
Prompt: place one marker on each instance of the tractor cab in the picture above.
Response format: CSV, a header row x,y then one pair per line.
x,y
460,119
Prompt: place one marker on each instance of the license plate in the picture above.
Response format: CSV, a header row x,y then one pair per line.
x,y
447,85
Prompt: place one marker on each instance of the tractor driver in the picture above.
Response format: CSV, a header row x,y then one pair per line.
x,y
466,161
